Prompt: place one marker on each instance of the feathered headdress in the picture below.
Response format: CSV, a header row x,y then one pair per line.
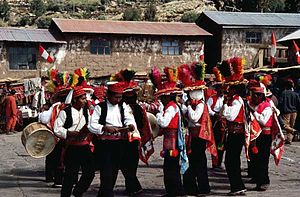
x,y
126,76
57,80
265,79
232,70
218,75
184,75
79,76
197,70
167,87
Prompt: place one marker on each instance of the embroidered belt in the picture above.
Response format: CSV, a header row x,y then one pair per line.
x,y
170,139
235,127
113,136
266,130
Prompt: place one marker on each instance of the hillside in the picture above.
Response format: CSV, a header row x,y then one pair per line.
x,y
22,13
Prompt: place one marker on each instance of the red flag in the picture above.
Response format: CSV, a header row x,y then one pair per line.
x,y
296,48
273,50
202,53
45,54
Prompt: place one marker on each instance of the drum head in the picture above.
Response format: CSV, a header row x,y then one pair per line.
x,y
153,123
38,140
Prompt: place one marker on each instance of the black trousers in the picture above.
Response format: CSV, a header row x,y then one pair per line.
x,y
129,166
261,160
195,179
172,176
218,139
234,145
77,157
111,154
53,166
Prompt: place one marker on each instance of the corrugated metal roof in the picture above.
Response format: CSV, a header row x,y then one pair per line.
x,y
27,35
129,27
254,18
293,36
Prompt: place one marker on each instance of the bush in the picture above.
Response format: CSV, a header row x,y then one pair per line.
x,y
55,6
4,10
38,7
2,23
132,14
24,20
44,22
189,17
150,12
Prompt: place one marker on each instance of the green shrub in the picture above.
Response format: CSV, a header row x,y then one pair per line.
x,y
4,10
150,12
132,14
2,23
38,7
44,22
189,17
55,6
24,20
101,17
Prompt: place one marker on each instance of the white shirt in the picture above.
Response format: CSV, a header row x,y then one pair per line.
x,y
78,122
195,115
113,118
231,112
264,116
217,107
164,118
45,116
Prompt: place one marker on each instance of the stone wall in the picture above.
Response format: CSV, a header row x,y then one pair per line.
x,y
138,53
234,42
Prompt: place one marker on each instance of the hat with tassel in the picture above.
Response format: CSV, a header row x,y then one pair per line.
x,y
164,87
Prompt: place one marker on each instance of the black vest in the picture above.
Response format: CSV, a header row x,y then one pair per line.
x,y
69,118
102,119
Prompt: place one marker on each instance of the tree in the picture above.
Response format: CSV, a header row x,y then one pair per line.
x,y
292,6
276,6
38,7
189,17
150,12
4,10
132,14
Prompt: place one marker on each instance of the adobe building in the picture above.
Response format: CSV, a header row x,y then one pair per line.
x,y
246,34
104,47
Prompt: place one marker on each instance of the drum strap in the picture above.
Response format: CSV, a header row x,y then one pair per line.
x,y
69,119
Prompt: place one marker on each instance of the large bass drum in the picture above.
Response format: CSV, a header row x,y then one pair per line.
x,y
38,140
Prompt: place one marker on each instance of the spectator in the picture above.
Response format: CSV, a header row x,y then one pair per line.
x,y
11,112
289,103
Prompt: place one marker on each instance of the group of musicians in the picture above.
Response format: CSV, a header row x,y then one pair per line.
x,y
115,133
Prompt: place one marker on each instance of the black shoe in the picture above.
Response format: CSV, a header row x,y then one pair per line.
x,y
238,193
252,181
287,142
136,193
262,188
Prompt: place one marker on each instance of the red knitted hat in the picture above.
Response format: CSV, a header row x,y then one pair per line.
x,y
117,87
78,91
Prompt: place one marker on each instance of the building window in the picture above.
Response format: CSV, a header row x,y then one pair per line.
x,y
170,47
100,47
253,37
22,58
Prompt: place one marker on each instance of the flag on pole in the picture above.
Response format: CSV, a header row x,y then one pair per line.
x,y
45,54
202,53
273,50
296,48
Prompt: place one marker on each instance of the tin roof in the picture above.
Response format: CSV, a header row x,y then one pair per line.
x,y
253,18
27,35
293,36
129,27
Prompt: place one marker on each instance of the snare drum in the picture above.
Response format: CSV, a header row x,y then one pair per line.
x,y
38,140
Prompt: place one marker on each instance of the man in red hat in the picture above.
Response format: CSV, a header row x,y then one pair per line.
x,y
111,121
262,111
71,124
215,104
234,112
